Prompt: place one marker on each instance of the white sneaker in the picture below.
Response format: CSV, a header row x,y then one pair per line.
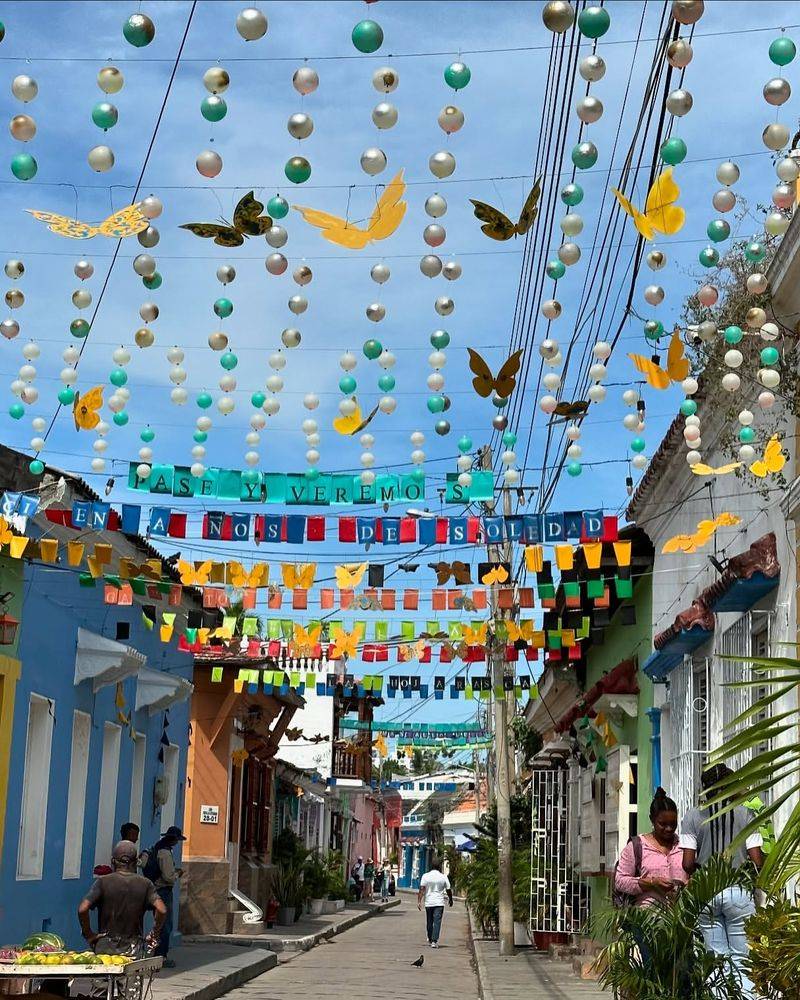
x,y
434,944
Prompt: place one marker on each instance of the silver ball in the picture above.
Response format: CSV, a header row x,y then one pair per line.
x,y
151,207
727,173
110,80
22,127
148,311
300,125
589,109
302,275
276,263
442,427
149,237
451,270
305,80
24,88
499,421
226,273
442,164
218,340
592,68
375,312
435,206
687,11
784,195
558,16
101,159
434,235
444,305
380,273
384,115
385,79
777,92
216,80
9,328
787,169
82,298
144,265
569,253
208,163
83,269
14,269
291,337
276,236
298,304
373,161
430,265
654,295
775,136
450,119
723,200
251,24
548,349
679,103
679,53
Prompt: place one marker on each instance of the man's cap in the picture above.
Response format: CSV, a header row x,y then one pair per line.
x,y
174,831
125,850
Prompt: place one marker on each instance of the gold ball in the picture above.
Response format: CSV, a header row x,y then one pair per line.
x,y
216,80
110,80
144,337
14,298
558,16
755,318
217,341
22,127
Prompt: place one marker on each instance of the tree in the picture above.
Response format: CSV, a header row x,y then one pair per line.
x,y
424,762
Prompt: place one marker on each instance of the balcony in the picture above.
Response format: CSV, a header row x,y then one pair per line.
x,y
347,764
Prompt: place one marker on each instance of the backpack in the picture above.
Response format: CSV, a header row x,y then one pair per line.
x,y
152,869
619,899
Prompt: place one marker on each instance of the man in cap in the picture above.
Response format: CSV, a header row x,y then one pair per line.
x,y
121,900
158,865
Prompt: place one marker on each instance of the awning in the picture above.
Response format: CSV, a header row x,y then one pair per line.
x,y
156,690
747,577
104,661
689,631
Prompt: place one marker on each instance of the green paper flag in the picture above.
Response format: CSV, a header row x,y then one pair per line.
x,y
407,631
595,589
249,625
229,623
381,631
273,628
624,588
216,675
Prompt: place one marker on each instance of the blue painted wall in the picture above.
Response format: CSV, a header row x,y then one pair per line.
x,y
54,607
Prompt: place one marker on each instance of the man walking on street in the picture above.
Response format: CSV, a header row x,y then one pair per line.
x,y
434,891
158,865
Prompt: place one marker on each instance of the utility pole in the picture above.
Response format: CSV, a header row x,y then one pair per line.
x,y
502,769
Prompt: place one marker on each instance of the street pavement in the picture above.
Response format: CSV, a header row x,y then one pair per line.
x,y
374,960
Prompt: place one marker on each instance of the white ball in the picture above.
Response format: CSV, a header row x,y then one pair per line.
x,y
31,351
367,459
122,356
144,265
435,206
574,451
442,164
689,386
769,378
727,173
271,406
367,477
198,470
380,273
417,456
602,350
691,433
444,305
225,405
312,456
630,421
766,400
29,394
734,358
435,381
417,438
385,79
179,395
101,159
776,223
274,383
312,440
693,457
347,407
257,420
204,424
551,381
68,376
465,480
757,283
27,373
654,295
746,418
693,419
571,224
309,426
630,397
598,372
311,401
574,432
508,457
143,471
388,404
511,477
177,375
747,453
548,404
276,263
387,360
198,451
639,461
451,270
305,80
102,427
788,169
375,312
731,381
227,382
39,424
251,458
464,463
384,115
70,355
430,265
17,386
145,453
38,443
277,361
569,253
348,361
437,359
115,403
769,331
98,465
124,393
597,393
366,440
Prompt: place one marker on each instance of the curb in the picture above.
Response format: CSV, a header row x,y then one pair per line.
x,y
484,988
223,984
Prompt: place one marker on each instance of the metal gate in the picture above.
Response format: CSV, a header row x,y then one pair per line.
x,y
559,902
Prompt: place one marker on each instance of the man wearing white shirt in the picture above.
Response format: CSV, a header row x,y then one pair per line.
x,y
434,891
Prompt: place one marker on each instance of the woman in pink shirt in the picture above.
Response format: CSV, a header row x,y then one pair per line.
x,y
661,872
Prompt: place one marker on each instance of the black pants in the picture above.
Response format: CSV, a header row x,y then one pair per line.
x,y
433,919
166,893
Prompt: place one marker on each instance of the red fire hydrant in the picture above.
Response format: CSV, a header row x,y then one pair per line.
x,y
272,911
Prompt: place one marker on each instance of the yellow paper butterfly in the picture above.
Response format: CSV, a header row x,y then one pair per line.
x,y
411,651
256,576
85,409
499,226
701,469
384,221
522,632
661,214
350,575
773,461
705,530
474,636
6,534
497,574
304,640
353,422
298,576
127,222
194,574
677,364
344,644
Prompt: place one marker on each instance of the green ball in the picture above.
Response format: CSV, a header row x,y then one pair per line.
x,y
733,334
153,281
200,437
66,396
121,418
584,155
688,407
574,469
572,195
36,467
277,207
781,51
594,22
436,404
509,439
653,329
718,230
213,108
709,257
2,31
386,382
229,360
457,75
673,151
440,339
312,472
418,474
139,30
555,269
118,377
250,476
465,444
23,166
223,308
297,169
367,36
79,328
770,356
258,399
755,252
17,411
105,115
147,434
637,444
204,400
372,349
746,435
348,385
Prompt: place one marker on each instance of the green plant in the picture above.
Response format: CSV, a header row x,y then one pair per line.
x,y
774,961
287,848
315,876
479,885
527,741
287,885
656,952
520,821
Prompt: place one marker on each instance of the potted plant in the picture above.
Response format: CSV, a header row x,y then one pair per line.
x,y
336,884
287,888
315,882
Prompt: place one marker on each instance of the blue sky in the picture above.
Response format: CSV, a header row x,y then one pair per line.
x,y
63,45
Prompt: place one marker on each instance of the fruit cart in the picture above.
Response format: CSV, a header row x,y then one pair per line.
x,y
131,980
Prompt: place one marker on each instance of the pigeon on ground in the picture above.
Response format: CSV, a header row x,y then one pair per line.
x,y
419,962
